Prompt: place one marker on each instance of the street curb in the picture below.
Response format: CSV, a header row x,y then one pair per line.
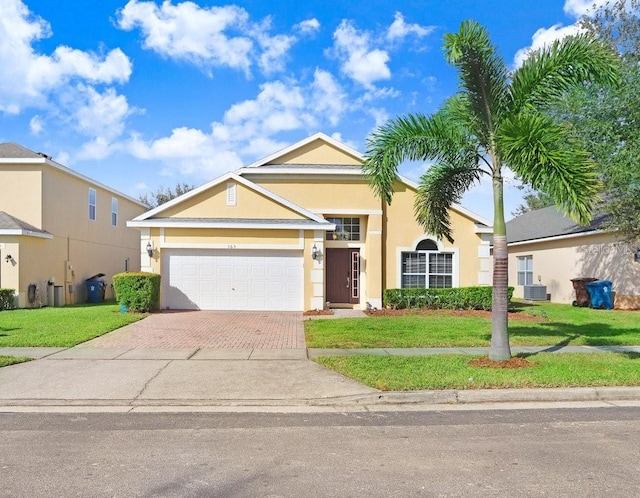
x,y
399,399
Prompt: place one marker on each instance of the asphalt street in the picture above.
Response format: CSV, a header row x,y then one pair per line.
x,y
580,451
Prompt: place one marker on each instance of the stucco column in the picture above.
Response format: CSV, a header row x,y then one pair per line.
x,y
373,262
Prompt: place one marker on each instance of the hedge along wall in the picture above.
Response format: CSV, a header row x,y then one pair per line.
x,y
6,299
138,291
467,298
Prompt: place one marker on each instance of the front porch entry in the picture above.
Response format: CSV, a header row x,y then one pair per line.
x,y
343,275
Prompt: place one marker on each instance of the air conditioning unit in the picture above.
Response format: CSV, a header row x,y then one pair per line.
x,y
535,292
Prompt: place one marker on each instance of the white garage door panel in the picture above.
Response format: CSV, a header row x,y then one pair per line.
x,y
232,280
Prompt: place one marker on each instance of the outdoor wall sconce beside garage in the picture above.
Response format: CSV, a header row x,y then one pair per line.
x,y
314,252
149,249
8,258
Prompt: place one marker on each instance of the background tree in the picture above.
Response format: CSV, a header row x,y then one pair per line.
x,y
607,118
162,195
495,120
533,200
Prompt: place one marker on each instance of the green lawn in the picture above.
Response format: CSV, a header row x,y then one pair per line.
x,y
559,324
401,373
61,327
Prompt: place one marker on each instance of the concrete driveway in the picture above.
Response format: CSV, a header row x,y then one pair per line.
x,y
244,330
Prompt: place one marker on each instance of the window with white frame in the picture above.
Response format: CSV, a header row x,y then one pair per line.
x,y
525,270
346,229
114,212
427,268
92,204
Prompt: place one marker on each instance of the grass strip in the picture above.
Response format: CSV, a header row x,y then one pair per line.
x,y
407,373
5,361
61,327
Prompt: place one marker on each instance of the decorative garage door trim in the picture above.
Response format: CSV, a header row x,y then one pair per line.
x,y
218,279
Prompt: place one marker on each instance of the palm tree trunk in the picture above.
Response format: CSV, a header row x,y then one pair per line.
x,y
500,349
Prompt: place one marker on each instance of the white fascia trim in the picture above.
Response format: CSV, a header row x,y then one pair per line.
x,y
25,233
301,171
483,229
224,178
557,237
264,226
456,207
348,211
332,141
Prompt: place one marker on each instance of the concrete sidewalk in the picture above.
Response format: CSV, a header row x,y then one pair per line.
x,y
138,379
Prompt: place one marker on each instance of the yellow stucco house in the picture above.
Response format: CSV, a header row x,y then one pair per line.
x,y
58,227
547,250
299,229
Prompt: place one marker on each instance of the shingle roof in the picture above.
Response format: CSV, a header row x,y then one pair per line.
x,y
10,150
547,222
8,222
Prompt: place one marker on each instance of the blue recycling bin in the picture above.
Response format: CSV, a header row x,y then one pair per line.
x,y
95,293
600,294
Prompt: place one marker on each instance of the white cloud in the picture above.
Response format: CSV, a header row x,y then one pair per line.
x,y
308,26
29,78
579,8
248,129
359,60
544,37
208,37
400,29
36,125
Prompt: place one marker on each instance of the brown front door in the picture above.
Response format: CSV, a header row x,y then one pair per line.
x,y
343,275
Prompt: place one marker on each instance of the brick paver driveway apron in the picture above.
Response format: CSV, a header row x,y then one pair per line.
x,y
209,329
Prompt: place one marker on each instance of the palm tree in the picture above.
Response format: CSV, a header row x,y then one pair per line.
x,y
496,121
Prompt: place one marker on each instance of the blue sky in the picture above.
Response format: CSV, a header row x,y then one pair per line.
x,y
141,94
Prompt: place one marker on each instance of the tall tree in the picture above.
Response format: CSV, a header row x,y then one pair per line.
x,y
533,200
607,118
494,121
162,195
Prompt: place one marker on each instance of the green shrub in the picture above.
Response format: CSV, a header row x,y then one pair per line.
x,y
6,299
138,291
467,298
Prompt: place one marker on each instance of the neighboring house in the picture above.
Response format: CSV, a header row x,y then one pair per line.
x,y
298,229
58,226
550,249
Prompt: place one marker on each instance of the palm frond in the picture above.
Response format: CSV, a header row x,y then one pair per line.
x,y
542,153
547,74
414,137
440,187
483,75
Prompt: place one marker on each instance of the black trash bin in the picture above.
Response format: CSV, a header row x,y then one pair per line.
x,y
95,288
582,292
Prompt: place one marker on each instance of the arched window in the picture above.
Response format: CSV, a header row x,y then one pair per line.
x,y
427,266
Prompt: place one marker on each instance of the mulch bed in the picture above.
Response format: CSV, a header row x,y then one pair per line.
x,y
317,312
515,315
514,362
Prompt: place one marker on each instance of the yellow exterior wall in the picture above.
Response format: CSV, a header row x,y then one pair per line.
x,y
317,193
230,237
212,203
317,152
402,230
21,192
598,256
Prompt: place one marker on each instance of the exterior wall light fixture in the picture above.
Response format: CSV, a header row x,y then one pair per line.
x,y
149,249
314,252
8,258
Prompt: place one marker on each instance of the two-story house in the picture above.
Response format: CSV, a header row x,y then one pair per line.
x,y
58,227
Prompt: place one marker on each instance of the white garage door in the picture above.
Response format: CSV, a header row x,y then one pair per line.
x,y
232,280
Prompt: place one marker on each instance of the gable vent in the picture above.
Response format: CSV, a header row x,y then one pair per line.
x,y
231,194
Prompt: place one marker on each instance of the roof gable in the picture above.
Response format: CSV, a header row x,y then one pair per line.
x,y
10,225
287,209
